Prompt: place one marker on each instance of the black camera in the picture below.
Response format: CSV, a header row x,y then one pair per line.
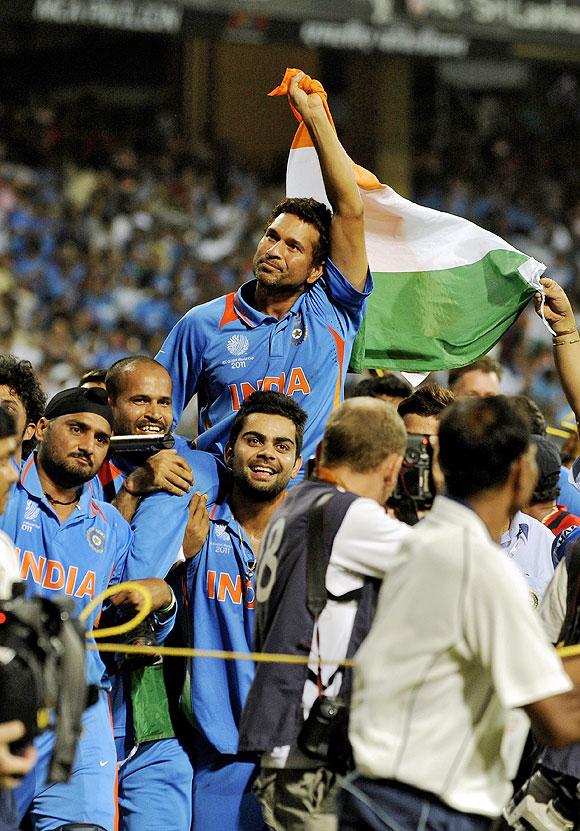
x,y
324,734
42,674
138,443
415,488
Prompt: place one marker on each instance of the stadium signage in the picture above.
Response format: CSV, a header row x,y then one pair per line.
x,y
132,16
513,15
398,38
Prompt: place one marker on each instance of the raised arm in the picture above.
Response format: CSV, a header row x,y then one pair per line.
x,y
559,314
347,240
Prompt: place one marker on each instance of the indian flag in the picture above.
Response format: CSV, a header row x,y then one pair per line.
x,y
446,290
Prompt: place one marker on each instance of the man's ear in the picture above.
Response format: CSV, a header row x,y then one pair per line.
x,y
29,431
41,428
296,468
228,454
316,272
391,466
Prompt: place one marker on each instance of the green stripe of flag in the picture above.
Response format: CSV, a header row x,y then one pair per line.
x,y
442,319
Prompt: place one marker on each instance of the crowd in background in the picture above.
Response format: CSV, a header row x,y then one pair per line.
x,y
108,235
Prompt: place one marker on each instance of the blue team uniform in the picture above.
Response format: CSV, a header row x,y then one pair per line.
x,y
154,771
225,349
78,557
219,591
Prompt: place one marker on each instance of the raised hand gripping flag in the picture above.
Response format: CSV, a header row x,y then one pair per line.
x,y
446,290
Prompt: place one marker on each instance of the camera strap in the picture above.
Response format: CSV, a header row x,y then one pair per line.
x,y
316,566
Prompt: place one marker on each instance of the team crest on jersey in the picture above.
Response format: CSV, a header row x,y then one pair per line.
x,y
96,539
31,510
299,332
238,345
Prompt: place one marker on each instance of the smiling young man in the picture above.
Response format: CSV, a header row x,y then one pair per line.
x,y
263,453
290,329
157,493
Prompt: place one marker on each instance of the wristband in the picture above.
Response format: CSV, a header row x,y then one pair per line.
x,y
556,342
566,332
169,608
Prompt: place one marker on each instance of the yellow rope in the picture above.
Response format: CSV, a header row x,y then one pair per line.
x,y
186,652
122,628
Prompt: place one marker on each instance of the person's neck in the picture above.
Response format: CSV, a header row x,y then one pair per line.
x,y
495,512
276,304
541,510
62,500
252,515
363,484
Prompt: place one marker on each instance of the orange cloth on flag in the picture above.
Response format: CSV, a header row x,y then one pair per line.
x,y
364,178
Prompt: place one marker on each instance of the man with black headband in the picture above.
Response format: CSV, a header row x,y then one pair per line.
x,y
70,542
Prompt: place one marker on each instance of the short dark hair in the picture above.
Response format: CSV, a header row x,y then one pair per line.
x,y
531,413
392,385
7,424
429,400
20,377
312,211
95,376
270,403
484,364
115,371
548,460
479,438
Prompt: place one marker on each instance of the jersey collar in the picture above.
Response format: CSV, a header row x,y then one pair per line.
x,y
30,481
252,317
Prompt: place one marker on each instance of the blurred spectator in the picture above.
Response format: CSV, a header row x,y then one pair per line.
x,y
480,378
390,387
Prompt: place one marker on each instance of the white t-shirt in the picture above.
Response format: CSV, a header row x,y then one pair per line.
x,y
367,545
9,566
553,606
529,544
454,648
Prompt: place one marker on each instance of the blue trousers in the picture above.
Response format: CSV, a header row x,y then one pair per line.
x,y
154,788
90,795
385,805
222,791
8,815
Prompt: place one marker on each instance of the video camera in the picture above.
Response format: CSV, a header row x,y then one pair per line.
x,y
141,444
415,488
42,672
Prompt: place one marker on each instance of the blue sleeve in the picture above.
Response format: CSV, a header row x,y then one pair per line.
x,y
344,295
125,541
181,355
160,520
163,628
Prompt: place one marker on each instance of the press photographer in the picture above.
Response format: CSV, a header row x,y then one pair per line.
x,y
333,528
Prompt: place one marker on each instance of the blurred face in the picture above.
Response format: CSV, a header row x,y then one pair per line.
x,y
143,405
72,447
263,459
427,425
12,403
8,471
283,258
477,383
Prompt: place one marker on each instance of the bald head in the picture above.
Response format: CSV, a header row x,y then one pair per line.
x,y
361,434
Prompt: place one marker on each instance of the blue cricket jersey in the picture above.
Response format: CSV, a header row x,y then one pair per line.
x,y
225,349
220,601
160,519
79,557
